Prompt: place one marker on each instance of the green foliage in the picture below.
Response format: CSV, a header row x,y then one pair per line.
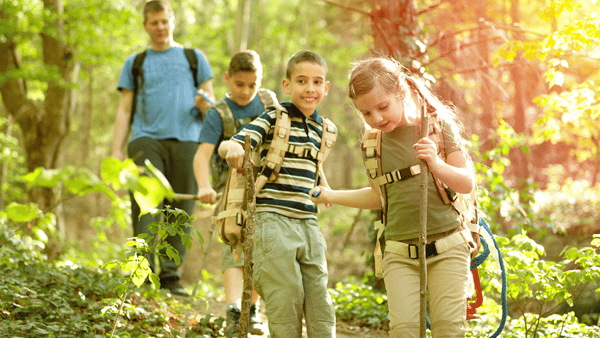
x,y
63,300
12,163
503,206
136,264
358,302
66,299
571,109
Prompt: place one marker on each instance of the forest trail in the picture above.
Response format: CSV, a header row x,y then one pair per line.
x,y
216,306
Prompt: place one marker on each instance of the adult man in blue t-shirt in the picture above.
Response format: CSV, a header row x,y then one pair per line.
x,y
166,126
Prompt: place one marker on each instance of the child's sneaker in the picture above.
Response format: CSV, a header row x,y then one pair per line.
x,y
232,319
256,326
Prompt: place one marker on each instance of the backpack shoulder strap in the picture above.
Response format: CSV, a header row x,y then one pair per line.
x,y
190,55
267,97
328,138
229,127
138,80
464,204
371,149
279,145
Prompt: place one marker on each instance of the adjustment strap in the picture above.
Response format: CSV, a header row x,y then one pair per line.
x,y
399,175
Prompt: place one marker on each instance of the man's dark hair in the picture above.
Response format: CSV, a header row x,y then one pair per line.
x,y
156,6
245,61
303,56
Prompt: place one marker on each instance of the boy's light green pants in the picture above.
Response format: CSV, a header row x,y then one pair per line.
x,y
290,274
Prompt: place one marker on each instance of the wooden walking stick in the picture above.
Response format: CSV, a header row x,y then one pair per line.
x,y
248,241
423,233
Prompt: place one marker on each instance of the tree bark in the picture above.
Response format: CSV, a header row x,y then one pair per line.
x,y
395,27
485,100
248,240
86,117
520,159
44,125
423,177
242,25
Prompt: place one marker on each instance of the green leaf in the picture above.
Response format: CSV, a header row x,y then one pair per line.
x,y
173,255
19,213
150,196
165,185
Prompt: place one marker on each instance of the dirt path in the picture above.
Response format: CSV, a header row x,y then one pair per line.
x,y
216,306
344,330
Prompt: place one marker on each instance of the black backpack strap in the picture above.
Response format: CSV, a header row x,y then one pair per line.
x,y
190,55
138,80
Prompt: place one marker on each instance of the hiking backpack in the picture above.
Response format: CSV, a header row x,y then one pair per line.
x,y
138,74
232,210
230,126
463,204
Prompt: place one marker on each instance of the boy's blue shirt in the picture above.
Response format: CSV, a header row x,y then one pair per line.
x,y
212,130
165,107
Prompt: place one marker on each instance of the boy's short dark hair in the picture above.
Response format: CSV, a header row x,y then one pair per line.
x,y
156,6
245,61
303,56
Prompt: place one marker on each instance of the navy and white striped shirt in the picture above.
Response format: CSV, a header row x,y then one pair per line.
x,y
288,194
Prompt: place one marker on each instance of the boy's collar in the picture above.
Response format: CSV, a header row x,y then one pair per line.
x,y
295,112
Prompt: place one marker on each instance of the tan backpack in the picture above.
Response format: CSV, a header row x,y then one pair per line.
x,y
232,212
464,204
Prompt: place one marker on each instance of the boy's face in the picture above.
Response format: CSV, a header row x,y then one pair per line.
x,y
307,86
159,26
242,86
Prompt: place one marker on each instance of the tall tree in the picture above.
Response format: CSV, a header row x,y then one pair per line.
x,y
44,124
520,158
485,100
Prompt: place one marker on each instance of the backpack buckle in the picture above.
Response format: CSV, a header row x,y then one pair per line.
x,y
239,219
413,251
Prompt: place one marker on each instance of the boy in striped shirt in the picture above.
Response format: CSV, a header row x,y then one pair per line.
x,y
290,270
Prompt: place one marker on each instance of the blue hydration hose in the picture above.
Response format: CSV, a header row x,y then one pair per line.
x,y
479,259
477,262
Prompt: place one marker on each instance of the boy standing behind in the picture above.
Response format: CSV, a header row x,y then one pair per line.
x,y
240,106
290,271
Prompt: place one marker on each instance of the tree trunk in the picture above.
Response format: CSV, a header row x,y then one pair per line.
x,y
257,24
44,127
242,25
485,99
86,118
395,27
519,158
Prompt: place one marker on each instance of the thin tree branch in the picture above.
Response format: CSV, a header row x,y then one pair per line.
x,y
479,68
348,8
431,8
461,46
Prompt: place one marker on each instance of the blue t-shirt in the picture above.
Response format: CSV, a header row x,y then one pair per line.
x,y
212,131
165,104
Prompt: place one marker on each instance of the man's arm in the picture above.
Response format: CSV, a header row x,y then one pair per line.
x,y
122,123
205,88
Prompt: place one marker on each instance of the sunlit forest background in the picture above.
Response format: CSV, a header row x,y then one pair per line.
x,y
524,76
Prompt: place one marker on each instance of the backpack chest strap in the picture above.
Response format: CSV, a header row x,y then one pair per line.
x,y
398,175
